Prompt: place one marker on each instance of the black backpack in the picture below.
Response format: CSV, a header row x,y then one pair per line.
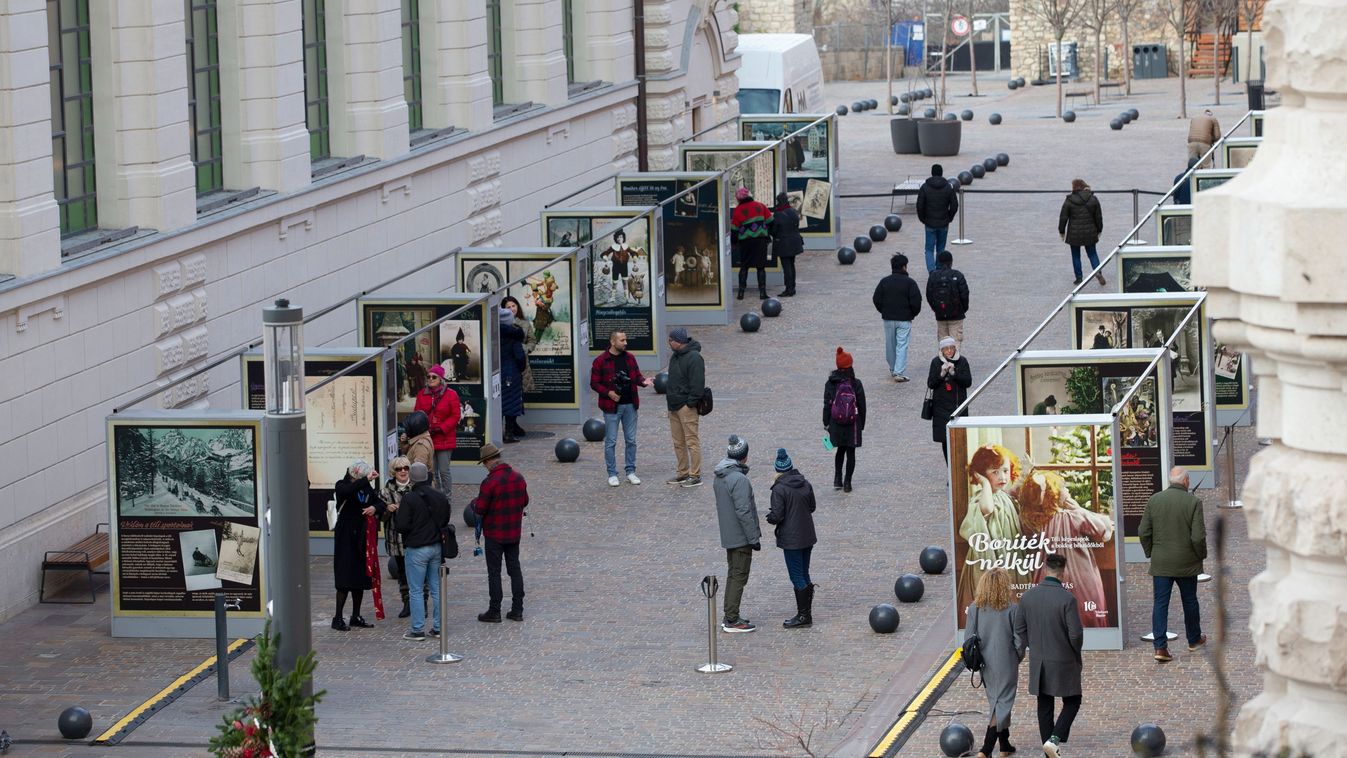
x,y
971,652
943,297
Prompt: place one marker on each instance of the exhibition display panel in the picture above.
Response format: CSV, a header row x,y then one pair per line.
x,y
1207,178
1174,225
761,174
1238,151
810,169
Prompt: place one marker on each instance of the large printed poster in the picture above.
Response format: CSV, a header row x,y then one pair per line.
x,y
759,174
622,274
809,160
1021,492
185,499
693,237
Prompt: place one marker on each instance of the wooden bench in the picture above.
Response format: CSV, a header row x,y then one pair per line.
x,y
1072,97
82,556
1116,88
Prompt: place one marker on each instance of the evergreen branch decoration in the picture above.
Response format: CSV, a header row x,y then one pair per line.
x,y
279,722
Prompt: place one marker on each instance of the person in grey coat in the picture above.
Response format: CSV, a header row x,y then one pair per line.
x,y
792,512
992,618
1049,624
740,534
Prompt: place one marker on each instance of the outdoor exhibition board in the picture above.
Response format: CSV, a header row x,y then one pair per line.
x,y
1208,178
1174,225
1073,382
345,421
761,175
184,491
466,346
1238,151
1256,123
1167,269
695,242
625,275
811,169
1024,487
552,301
1105,322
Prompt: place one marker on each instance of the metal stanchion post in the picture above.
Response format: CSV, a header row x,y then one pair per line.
x,y
963,211
709,587
1136,218
444,656
221,648
1234,501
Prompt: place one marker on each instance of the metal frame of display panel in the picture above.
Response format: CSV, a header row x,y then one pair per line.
x,y
1237,152
1208,178
774,274
1165,218
1256,123
829,238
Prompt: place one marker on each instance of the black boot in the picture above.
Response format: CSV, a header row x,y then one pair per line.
x,y
762,292
988,743
1003,737
740,295
837,478
802,616
846,484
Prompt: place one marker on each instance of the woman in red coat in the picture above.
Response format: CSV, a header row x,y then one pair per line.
x,y
440,404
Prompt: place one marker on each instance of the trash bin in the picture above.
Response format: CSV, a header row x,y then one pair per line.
x,y
1150,60
1255,94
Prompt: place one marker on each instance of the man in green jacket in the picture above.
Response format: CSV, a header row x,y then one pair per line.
x,y
1174,536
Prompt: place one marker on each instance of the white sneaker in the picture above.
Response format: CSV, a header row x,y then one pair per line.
x,y
633,479
1053,750
613,482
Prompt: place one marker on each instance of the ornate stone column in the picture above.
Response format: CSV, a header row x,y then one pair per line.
x,y
1273,261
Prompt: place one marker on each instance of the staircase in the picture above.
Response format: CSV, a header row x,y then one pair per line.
x,y
1211,54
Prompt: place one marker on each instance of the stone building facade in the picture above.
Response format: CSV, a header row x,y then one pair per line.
x,y
1032,35
776,17
203,160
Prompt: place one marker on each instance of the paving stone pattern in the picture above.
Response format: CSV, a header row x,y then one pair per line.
x,y
615,620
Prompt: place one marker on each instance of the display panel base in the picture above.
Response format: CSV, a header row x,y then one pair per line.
x,y
182,628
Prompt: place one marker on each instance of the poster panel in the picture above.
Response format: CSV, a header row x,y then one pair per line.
x,y
694,244
1023,488
1207,178
809,165
458,344
1089,382
622,271
1256,123
185,494
1106,322
1142,269
344,420
547,300
1239,151
761,175
1174,225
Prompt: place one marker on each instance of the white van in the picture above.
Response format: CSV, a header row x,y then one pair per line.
x,y
779,73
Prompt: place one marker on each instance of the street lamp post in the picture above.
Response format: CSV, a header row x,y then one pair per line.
x,y
287,486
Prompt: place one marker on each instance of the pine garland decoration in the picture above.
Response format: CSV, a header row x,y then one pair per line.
x,y
279,722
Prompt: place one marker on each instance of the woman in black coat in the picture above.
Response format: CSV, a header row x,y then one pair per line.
x,y
357,508
949,380
845,437
1079,224
793,515
513,359
786,240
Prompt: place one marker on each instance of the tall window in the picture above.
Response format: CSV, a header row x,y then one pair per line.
x,y
203,94
315,80
493,56
568,36
72,114
411,63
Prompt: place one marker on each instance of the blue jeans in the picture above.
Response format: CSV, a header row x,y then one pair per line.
x,y
626,413
896,334
797,566
422,567
1192,620
1075,258
935,242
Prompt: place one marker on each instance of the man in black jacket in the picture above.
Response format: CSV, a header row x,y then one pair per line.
x,y
898,300
1049,624
687,384
937,203
420,518
947,294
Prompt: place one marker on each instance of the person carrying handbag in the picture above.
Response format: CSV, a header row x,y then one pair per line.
x,y
947,386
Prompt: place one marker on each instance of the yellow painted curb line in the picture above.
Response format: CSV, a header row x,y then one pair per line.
x,y
909,717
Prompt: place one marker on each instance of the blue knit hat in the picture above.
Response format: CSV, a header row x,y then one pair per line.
x,y
782,460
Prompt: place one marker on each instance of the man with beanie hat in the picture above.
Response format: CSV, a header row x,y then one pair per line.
x,y
947,294
687,385
793,514
898,300
422,515
937,203
739,531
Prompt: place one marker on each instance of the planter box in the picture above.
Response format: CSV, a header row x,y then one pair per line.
x,y
903,132
939,137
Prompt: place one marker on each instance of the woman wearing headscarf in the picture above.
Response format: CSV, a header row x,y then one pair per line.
x,y
844,417
391,494
948,381
786,240
512,363
355,550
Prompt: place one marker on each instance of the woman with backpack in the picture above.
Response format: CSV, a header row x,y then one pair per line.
x,y
844,417
991,619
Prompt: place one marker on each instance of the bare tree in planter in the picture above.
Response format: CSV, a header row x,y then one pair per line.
x,y
1124,10
1059,15
1176,15
1094,16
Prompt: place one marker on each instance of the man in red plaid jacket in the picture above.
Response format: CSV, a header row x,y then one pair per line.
x,y
499,506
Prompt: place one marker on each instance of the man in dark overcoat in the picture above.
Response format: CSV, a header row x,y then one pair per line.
x,y
1050,623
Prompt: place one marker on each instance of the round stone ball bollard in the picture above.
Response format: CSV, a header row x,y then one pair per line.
x,y
893,99
847,256
771,307
965,178
904,109
955,184
1116,124
858,106
927,92
593,429
1125,117
872,103
1069,117
929,112
951,117
989,164
878,233
661,383
905,98
469,516
976,171
75,723
909,588
966,115
994,119
893,222
750,322
956,740
861,245
1148,741
1013,84
933,560
1020,79
567,450
884,619
841,110
1002,159
1134,113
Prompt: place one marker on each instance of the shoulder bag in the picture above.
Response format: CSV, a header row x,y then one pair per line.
x,y
926,405
705,404
971,652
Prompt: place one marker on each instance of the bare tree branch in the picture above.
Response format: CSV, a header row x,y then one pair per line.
x,y
1059,15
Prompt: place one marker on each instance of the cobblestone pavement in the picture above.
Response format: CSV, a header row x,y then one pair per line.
x,y
616,623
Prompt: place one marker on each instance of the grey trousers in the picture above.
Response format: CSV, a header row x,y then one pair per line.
x,y
740,560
